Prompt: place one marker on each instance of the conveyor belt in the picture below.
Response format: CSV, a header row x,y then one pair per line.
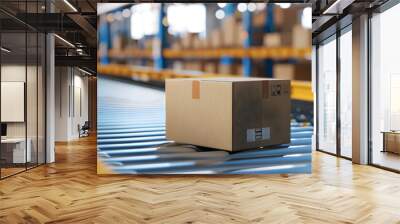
x,y
131,140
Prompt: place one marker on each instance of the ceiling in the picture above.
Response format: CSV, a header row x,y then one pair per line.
x,y
327,13
72,20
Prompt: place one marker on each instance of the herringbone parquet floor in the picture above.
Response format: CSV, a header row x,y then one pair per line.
x,y
70,191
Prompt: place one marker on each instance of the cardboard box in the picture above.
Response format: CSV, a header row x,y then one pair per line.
x,y
231,114
286,19
148,44
196,42
178,66
193,66
226,69
117,43
211,67
176,45
299,71
278,39
258,19
272,40
187,40
301,37
215,39
231,33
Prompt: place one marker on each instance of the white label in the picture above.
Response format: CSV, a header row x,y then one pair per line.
x,y
258,134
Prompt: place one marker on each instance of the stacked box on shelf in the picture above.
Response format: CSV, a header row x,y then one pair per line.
x,y
148,43
195,65
258,19
210,67
214,40
176,45
187,40
228,31
230,69
197,42
272,39
117,42
231,30
177,65
278,39
204,43
286,19
297,71
298,37
301,37
238,69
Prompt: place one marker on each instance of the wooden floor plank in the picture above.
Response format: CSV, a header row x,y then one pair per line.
x,y
70,191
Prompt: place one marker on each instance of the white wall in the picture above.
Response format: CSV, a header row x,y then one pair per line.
x,y
71,93
62,82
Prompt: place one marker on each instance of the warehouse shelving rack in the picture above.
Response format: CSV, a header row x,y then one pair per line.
x,y
300,90
160,56
276,53
248,52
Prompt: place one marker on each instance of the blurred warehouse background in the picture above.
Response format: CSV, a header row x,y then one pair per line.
x,y
153,41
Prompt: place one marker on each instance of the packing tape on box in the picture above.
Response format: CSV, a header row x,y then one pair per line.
x,y
195,89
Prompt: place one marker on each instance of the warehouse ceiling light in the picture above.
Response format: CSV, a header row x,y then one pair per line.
x,y
252,7
70,5
284,5
118,16
260,6
126,13
64,40
5,50
144,20
79,51
221,5
186,18
220,14
242,7
306,18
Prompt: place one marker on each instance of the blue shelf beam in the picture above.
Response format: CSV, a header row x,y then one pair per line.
x,y
104,41
161,38
269,28
247,23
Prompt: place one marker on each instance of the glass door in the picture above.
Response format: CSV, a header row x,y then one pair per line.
x,y
22,77
15,149
327,96
345,41
385,89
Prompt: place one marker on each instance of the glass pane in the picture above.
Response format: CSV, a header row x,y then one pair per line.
x,y
32,96
385,86
346,94
327,97
41,99
13,86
